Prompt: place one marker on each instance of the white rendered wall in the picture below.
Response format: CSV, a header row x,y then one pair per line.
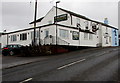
x,y
21,42
50,17
109,35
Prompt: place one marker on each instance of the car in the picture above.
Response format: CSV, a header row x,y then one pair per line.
x,y
11,49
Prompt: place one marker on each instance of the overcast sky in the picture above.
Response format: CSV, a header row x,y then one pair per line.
x,y
17,14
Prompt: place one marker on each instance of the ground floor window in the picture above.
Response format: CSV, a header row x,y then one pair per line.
x,y
86,36
23,36
36,35
75,35
63,33
13,38
90,36
46,32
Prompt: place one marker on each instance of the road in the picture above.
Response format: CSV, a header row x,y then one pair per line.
x,y
91,65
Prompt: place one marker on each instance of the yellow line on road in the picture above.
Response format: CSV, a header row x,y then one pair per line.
x,y
71,64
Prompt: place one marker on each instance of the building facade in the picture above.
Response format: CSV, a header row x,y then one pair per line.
x,y
67,28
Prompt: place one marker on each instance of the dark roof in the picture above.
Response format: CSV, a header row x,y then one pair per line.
x,y
38,20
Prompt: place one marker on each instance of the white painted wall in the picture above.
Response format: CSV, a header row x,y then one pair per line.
x,y
50,17
104,44
98,37
21,42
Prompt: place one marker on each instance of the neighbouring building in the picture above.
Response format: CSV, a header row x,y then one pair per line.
x,y
72,30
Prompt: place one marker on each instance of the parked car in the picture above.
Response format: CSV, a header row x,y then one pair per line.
x,y
11,49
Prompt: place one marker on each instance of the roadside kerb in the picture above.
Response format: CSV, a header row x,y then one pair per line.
x,y
22,63
38,60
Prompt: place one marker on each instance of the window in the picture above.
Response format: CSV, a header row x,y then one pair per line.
x,y
90,36
86,36
32,34
46,33
109,39
23,36
13,38
63,33
78,20
75,35
86,24
78,23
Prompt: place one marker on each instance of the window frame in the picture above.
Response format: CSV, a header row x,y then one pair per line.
x,y
64,34
86,35
73,34
13,38
23,37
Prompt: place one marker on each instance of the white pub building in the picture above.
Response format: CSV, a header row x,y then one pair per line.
x,y
72,30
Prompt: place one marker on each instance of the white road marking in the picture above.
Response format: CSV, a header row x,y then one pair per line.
x,y
115,49
71,64
26,80
101,54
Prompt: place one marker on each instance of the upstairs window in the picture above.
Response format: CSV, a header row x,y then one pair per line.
x,y
86,25
78,23
23,36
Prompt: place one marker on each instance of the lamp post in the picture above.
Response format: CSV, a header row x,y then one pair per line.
x,y
56,21
34,42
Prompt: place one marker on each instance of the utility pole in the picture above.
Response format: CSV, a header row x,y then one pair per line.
x,y
56,21
56,27
35,15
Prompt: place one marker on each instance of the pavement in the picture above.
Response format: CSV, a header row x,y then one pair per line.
x,y
7,62
85,65
14,61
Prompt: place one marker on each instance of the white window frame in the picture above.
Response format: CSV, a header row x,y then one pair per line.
x,y
13,38
86,35
90,36
22,37
36,35
64,33
45,32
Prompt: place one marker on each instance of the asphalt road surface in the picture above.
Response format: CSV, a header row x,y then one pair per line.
x,y
91,65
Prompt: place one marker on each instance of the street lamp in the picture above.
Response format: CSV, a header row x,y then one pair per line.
x,y
56,21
